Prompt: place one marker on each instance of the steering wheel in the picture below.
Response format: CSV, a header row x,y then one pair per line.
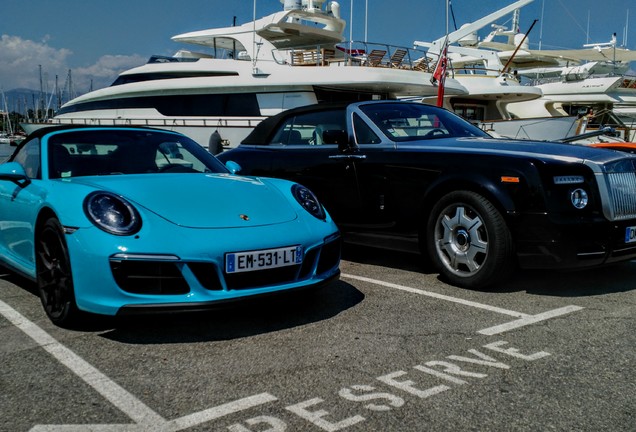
x,y
435,132
177,168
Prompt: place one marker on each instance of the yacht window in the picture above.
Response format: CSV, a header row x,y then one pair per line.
x,y
179,105
470,113
207,105
133,78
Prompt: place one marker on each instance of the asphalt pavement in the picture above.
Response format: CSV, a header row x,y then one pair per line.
x,y
389,347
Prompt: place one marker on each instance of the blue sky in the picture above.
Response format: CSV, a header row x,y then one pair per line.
x,y
97,39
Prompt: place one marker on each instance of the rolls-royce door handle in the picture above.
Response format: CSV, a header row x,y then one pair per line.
x,y
348,156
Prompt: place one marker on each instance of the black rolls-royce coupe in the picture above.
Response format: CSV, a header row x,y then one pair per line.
x,y
400,173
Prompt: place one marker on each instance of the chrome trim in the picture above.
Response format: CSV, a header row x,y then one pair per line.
x,y
145,257
348,156
589,254
579,198
623,194
615,206
568,179
625,249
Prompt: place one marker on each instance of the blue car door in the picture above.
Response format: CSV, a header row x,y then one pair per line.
x,y
19,204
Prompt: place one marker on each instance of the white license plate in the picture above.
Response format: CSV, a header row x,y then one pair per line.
x,y
630,234
237,262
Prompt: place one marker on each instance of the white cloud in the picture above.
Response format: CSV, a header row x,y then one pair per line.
x,y
22,58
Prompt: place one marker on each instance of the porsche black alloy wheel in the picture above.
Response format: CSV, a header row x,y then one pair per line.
x,y
468,240
54,277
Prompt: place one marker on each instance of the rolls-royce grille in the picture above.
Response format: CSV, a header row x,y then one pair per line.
x,y
622,188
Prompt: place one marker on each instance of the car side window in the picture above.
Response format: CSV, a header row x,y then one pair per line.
x,y
364,134
316,128
29,157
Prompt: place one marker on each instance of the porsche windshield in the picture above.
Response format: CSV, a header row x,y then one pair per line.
x,y
74,153
416,121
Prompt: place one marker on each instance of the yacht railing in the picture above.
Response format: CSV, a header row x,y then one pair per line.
x,y
355,53
479,70
217,122
484,72
627,82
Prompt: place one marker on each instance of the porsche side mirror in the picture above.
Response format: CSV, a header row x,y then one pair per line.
x,y
233,167
14,172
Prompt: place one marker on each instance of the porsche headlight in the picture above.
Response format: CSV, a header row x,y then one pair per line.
x,y
112,213
308,200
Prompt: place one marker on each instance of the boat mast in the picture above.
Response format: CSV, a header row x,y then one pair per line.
x,y
541,28
625,31
6,125
41,104
71,92
366,20
253,38
58,94
350,26
4,111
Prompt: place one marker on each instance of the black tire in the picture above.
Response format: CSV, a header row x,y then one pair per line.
x,y
468,240
54,275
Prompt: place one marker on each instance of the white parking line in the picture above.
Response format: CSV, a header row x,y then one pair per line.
x,y
529,320
220,411
124,401
143,417
439,296
524,319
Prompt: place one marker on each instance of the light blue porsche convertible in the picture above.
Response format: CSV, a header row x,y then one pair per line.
x,y
118,220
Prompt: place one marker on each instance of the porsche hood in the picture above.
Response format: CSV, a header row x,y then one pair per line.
x,y
201,200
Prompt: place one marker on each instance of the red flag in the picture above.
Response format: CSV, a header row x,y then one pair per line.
x,y
439,75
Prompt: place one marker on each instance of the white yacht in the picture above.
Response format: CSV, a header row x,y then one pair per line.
x,y
606,99
587,85
291,58
491,86
520,93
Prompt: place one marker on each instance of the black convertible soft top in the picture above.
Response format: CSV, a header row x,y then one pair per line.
x,y
38,133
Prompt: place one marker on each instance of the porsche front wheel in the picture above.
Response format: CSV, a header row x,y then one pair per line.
x,y
54,276
468,240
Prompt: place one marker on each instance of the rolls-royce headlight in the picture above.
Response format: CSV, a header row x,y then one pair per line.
x,y
568,179
308,201
112,213
579,198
